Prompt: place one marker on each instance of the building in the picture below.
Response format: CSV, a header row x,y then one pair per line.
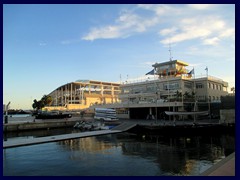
x,y
173,88
83,93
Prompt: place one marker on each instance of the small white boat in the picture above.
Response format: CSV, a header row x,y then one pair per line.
x,y
187,113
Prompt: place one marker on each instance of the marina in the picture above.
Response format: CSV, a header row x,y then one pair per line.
x,y
130,90
116,153
160,138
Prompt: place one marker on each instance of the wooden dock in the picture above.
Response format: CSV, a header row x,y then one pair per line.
x,y
48,139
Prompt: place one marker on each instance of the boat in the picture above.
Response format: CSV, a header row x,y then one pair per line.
x,y
105,114
186,113
90,126
52,115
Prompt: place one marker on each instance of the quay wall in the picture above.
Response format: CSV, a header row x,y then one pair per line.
x,y
227,116
37,125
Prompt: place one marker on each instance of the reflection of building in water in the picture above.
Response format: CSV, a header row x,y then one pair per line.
x,y
175,154
88,144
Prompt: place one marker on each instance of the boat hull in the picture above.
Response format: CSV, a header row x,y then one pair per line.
x,y
170,113
55,116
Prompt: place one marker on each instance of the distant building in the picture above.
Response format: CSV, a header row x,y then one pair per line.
x,y
83,93
173,88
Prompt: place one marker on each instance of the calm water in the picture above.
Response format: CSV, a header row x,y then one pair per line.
x,y
121,154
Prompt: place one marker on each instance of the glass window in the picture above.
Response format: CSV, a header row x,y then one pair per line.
x,y
188,85
199,85
171,86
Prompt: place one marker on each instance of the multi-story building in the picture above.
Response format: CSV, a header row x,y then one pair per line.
x,y
173,88
83,93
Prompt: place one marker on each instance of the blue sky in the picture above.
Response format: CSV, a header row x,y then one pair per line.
x,y
46,46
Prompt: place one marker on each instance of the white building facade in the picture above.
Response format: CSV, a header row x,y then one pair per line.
x,y
173,88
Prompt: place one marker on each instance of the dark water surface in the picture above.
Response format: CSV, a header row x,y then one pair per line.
x,y
121,154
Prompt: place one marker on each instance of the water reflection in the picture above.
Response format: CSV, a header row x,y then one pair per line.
x,y
122,154
88,144
172,155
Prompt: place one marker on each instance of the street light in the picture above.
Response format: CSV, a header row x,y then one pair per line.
x,y
6,116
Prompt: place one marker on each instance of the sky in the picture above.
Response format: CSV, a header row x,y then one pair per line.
x,y
46,46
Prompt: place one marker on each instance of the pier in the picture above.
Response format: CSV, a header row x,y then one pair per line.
x,y
48,139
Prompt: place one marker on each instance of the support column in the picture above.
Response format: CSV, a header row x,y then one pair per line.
x,y
71,93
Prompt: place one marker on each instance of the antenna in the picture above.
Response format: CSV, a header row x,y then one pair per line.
x,y
170,52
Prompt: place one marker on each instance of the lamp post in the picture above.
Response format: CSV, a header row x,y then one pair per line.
x,y
6,116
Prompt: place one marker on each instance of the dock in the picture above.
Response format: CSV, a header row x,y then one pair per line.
x,y
48,139
30,123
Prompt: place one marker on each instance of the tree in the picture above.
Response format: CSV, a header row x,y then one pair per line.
x,y
178,96
46,100
189,96
233,90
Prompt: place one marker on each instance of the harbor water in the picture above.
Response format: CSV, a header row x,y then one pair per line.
x,y
122,154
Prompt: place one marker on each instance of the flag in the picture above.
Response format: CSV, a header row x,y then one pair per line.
x,y
191,72
206,68
150,72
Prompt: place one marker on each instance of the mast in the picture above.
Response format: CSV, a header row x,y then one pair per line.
x,y
170,52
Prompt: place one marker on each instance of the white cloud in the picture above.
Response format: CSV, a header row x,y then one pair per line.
x,y
228,33
200,6
201,27
211,41
168,31
180,22
125,25
161,9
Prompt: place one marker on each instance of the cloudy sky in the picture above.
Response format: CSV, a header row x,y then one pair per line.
x,y
46,46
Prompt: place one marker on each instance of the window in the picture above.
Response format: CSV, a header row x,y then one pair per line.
x,y
188,85
199,85
171,86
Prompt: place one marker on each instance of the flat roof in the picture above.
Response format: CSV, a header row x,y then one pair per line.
x,y
171,62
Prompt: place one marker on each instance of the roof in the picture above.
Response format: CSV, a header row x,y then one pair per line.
x,y
170,62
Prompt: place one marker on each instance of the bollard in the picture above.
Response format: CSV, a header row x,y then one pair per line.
x,y
6,119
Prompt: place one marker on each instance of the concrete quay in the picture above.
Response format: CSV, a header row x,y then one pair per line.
x,y
29,123
225,167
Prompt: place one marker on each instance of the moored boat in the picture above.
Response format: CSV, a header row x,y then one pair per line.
x,y
52,115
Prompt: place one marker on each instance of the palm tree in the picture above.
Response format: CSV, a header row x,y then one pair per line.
x,y
46,100
189,97
178,95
